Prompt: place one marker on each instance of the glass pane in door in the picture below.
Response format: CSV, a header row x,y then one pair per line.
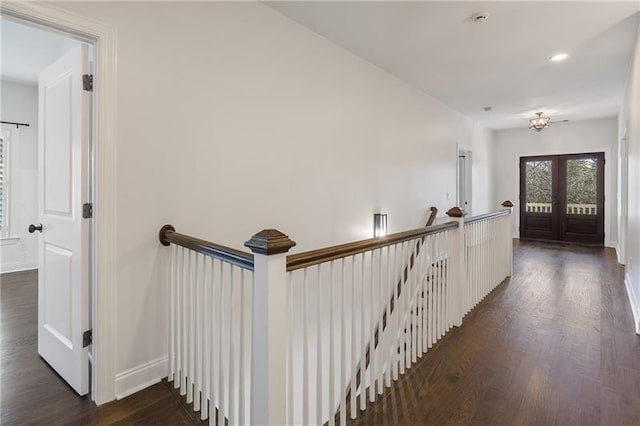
x,y
539,180
582,186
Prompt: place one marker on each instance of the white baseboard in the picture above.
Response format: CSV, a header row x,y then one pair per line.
x,y
614,245
6,268
140,377
619,254
635,307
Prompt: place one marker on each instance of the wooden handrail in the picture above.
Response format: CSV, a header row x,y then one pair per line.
x,y
168,235
432,216
315,257
478,218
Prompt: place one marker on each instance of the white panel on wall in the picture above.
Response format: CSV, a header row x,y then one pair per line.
x,y
57,300
57,167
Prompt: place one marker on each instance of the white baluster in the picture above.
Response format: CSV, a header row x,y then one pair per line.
x,y
388,296
371,329
197,378
420,304
178,319
185,322
343,346
396,312
319,375
425,294
353,360
402,312
241,352
414,302
231,396
363,339
222,371
206,373
380,308
305,348
172,312
191,330
332,371
291,391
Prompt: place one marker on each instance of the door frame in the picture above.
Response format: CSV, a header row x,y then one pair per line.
x,y
467,174
609,197
103,244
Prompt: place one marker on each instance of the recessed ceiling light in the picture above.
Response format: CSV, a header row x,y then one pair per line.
x,y
559,57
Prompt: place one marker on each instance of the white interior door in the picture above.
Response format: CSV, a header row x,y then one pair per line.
x,y
63,285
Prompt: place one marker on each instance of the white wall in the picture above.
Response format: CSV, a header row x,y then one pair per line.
x,y
574,137
19,103
233,118
482,191
630,131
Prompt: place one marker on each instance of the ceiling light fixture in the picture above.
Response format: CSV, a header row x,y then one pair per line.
x,y
539,123
559,57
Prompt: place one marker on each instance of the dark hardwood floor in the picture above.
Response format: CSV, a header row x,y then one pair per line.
x,y
553,345
31,393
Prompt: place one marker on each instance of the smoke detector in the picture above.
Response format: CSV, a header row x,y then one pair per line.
x,y
479,17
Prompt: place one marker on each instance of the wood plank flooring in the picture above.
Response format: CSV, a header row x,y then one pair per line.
x,y
554,345
31,393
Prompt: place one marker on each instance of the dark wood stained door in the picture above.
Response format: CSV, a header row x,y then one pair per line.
x,y
562,198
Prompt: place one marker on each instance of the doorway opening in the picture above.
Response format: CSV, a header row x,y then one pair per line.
x,y
464,181
562,198
49,178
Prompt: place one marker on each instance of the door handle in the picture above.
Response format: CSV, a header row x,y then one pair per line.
x,y
33,228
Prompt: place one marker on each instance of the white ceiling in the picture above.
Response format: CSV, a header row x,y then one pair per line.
x,y
26,50
503,62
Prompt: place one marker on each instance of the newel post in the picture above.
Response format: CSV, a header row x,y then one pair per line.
x,y
269,327
508,204
458,267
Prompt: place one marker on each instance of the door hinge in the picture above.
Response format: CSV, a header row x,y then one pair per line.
x,y
87,338
87,210
87,82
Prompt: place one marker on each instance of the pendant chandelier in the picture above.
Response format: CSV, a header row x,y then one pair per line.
x,y
539,123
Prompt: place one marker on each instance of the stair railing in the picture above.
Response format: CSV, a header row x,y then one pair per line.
x,y
271,338
388,309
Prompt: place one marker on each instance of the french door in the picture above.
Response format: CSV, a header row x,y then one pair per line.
x,y
562,198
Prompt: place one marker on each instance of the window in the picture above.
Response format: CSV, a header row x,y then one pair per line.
x,y
4,187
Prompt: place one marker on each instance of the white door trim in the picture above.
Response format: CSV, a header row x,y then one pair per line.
x,y
104,145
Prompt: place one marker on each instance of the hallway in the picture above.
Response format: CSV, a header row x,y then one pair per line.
x,y
555,345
